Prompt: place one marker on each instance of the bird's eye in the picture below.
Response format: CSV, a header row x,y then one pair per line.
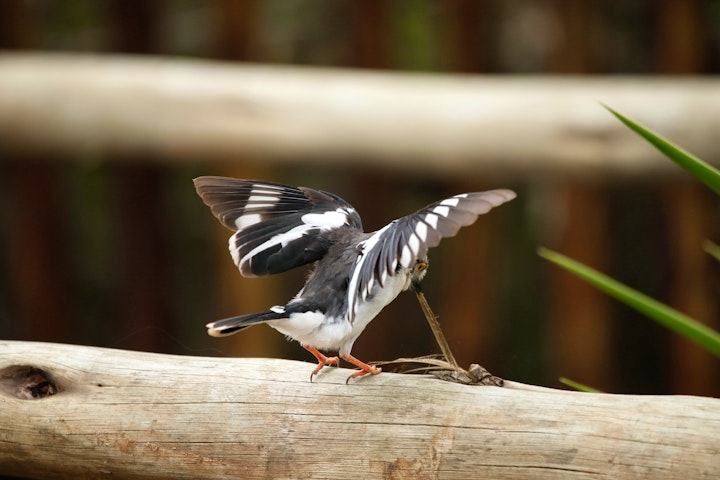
x,y
420,266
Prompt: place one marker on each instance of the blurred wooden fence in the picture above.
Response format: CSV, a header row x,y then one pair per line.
x,y
588,187
121,107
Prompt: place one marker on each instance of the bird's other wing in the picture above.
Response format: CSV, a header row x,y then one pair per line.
x,y
407,239
277,227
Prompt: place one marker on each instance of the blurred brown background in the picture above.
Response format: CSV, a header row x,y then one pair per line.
x,y
121,253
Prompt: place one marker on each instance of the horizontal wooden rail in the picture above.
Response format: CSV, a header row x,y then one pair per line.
x,y
123,107
83,412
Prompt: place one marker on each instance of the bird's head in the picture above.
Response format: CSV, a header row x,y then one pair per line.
x,y
418,273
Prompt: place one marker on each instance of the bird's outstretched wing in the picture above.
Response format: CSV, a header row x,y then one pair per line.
x,y
406,240
277,227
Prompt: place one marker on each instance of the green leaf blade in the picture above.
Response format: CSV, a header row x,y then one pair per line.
x,y
697,167
579,386
712,248
666,316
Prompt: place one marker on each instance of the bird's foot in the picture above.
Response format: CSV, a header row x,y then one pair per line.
x,y
322,360
364,367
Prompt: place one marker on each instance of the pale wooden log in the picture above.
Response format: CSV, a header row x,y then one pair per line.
x,y
122,414
116,107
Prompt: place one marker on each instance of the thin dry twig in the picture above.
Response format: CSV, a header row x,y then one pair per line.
x,y
435,327
445,368
431,364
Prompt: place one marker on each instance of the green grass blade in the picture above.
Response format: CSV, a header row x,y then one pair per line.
x,y
703,171
712,248
670,318
579,386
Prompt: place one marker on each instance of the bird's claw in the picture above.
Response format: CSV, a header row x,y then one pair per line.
x,y
364,367
322,362
372,370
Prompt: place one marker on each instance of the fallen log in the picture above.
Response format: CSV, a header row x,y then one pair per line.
x,y
70,411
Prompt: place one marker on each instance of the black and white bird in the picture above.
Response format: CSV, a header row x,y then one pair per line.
x,y
356,274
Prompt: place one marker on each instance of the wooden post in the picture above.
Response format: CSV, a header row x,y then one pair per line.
x,y
123,107
123,414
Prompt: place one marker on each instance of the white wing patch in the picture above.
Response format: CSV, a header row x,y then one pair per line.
x,y
405,256
411,249
326,220
263,196
234,249
260,188
432,220
256,202
421,231
451,202
245,221
442,210
414,242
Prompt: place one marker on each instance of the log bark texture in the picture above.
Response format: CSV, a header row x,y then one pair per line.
x,y
114,107
123,414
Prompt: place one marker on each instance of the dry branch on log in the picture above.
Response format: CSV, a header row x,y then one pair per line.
x,y
121,107
122,414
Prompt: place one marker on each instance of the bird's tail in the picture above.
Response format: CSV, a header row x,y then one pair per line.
x,y
228,326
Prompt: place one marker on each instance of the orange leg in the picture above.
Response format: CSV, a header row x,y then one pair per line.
x,y
364,367
322,360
